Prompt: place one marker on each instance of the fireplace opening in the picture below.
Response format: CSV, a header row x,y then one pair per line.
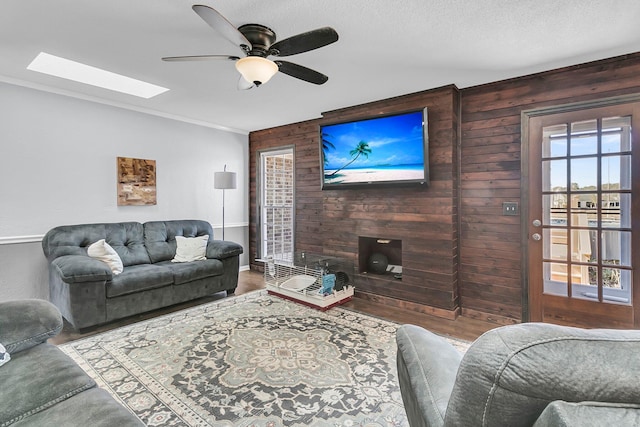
x,y
381,256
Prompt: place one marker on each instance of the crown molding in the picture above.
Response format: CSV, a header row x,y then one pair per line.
x,y
71,94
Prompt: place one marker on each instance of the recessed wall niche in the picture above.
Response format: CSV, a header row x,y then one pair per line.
x,y
379,255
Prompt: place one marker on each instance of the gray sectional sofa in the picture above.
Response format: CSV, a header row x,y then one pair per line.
x,y
532,374
88,293
42,386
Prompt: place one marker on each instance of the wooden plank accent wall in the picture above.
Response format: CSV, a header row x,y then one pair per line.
x,y
458,249
423,217
491,270
304,137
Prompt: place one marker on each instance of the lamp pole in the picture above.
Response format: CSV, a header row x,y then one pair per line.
x,y
225,181
223,191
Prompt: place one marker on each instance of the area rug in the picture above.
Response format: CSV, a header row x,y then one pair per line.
x,y
252,361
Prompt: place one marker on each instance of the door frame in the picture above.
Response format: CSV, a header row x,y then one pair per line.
x,y
525,116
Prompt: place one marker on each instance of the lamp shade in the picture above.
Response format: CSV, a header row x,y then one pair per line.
x,y
224,180
256,70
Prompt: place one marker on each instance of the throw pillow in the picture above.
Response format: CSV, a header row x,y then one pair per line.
x,y
4,356
191,248
102,251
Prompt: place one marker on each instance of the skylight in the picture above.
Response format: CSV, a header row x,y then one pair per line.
x,y
78,72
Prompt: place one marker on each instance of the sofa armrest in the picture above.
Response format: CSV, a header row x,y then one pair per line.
x,y
27,323
221,249
80,268
566,414
427,368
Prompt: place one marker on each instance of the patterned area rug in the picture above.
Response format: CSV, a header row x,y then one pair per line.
x,y
251,360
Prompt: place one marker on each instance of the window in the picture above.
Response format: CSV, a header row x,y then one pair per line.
x,y
276,204
586,199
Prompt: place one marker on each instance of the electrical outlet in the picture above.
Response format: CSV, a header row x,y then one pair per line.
x,y
510,208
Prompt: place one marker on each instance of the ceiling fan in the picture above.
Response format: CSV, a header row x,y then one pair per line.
x,y
258,42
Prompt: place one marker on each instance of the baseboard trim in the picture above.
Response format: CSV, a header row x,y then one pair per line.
x,y
408,305
489,318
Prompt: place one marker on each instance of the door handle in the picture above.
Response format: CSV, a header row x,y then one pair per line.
x,y
536,236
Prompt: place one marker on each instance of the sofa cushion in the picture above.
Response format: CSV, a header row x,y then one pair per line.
x,y
94,407
28,392
160,236
190,271
127,238
136,278
588,414
71,239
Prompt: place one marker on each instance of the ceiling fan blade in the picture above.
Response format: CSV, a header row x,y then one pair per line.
x,y
220,24
302,73
244,85
304,42
200,58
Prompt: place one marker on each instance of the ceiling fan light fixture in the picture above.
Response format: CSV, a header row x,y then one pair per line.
x,y
256,69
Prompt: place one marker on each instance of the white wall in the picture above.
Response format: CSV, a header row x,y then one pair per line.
x,y
58,166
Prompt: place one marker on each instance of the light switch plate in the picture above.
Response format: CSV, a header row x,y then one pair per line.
x,y
510,208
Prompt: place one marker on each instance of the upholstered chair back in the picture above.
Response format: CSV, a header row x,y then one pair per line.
x,y
511,374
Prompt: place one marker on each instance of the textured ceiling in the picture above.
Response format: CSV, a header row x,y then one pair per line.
x,y
386,48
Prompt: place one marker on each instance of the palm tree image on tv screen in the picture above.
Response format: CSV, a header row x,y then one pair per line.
x,y
361,149
388,149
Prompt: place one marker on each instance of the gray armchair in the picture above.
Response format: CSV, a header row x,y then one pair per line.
x,y
521,375
42,386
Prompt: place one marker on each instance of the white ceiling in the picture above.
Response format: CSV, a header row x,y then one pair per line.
x,y
386,48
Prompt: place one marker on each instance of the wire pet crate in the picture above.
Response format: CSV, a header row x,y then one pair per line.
x,y
316,281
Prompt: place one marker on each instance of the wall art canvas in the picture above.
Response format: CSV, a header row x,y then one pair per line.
x,y
136,182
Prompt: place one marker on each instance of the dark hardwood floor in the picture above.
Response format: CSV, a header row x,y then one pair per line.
x,y
463,327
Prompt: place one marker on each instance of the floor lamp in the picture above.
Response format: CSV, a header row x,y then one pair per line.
x,y
224,181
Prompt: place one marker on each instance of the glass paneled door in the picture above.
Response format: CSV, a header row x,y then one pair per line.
x,y
581,242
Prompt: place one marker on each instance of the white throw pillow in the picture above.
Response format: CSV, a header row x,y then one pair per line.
x,y
4,356
102,251
191,248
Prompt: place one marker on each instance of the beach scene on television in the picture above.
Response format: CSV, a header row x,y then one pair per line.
x,y
385,149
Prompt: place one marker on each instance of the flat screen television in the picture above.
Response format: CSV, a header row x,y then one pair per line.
x,y
380,151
